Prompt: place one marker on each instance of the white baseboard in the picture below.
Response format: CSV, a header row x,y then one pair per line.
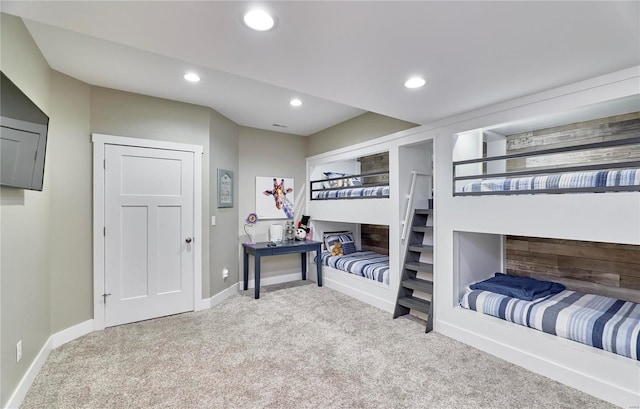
x,y
279,279
71,333
23,387
54,341
218,298
67,335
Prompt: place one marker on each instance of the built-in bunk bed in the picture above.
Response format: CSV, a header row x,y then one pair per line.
x,y
356,197
356,187
581,280
340,252
598,155
349,204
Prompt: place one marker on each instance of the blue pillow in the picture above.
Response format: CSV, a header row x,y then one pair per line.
x,y
524,288
347,181
330,238
348,247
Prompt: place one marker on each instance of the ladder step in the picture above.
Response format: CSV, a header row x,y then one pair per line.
x,y
419,285
415,304
421,248
422,229
423,211
419,266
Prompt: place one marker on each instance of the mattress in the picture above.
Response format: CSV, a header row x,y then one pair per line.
x,y
365,264
601,178
354,192
601,322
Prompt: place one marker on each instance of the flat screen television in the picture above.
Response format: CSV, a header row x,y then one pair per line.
x,y
23,138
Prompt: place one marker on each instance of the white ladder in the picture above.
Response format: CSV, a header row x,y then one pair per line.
x,y
409,198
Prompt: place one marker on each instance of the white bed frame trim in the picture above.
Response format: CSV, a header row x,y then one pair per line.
x,y
605,375
363,289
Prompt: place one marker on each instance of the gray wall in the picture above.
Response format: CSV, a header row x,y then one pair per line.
x,y
224,152
266,153
69,156
46,268
24,226
359,129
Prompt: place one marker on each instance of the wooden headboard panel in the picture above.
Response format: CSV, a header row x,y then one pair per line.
x,y
607,269
374,237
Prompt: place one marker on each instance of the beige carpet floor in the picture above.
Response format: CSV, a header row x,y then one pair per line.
x,y
297,347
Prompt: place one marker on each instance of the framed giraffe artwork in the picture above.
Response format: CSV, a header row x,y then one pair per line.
x,y
274,197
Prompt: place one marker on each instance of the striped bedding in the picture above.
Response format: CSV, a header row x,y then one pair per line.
x,y
366,264
354,192
602,178
602,322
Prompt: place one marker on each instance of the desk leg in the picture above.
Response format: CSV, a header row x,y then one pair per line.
x,y
257,276
246,270
303,256
319,266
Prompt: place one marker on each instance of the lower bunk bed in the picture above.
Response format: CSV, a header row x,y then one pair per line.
x,y
598,321
367,264
361,274
584,340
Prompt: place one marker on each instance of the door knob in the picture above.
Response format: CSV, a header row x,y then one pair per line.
x,y
188,240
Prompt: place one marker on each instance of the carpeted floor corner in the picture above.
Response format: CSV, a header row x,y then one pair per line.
x,y
297,347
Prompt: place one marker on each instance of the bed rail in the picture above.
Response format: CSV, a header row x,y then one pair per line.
x,y
548,171
349,182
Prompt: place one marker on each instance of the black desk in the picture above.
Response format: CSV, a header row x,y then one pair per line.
x,y
262,249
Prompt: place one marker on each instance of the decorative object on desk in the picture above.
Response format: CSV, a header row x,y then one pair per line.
x,y
225,188
278,190
250,221
289,231
303,231
275,233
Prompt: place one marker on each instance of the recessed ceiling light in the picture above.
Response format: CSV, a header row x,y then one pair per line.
x,y
415,82
259,20
295,102
192,77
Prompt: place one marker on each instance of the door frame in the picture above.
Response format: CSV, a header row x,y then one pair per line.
x,y
99,143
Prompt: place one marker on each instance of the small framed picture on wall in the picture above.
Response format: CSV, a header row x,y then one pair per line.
x,y
225,188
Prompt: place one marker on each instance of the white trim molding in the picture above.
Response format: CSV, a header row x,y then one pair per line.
x,y
54,341
72,333
99,142
218,298
15,401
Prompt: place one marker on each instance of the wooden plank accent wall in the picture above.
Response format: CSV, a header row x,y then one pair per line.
x,y
374,237
580,133
601,268
375,163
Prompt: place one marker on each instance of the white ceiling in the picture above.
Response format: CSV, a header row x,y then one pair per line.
x,y
340,58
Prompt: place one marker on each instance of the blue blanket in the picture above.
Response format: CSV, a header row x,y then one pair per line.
x,y
524,288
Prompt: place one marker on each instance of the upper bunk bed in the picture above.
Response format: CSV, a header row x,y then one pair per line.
x,y
593,150
351,189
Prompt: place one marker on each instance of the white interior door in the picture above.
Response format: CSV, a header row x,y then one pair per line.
x,y
149,229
